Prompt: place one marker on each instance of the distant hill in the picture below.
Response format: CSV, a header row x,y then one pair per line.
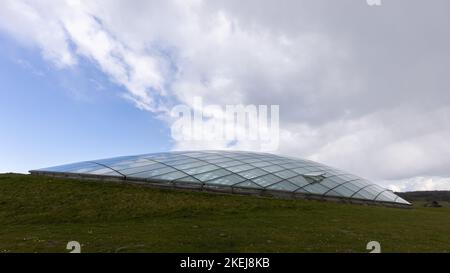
x,y
415,196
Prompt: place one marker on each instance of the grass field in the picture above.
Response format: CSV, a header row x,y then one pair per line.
x,y
40,214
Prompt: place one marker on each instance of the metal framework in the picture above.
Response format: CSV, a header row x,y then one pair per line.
x,y
234,172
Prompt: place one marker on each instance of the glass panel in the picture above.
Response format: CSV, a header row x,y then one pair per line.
x,y
201,169
219,160
148,174
184,162
386,196
180,160
333,193
227,180
130,164
250,160
335,172
286,174
211,175
352,186
170,176
300,170
330,183
142,169
167,159
191,165
312,169
252,173
316,189
299,181
85,168
401,200
361,183
300,190
273,168
289,165
118,160
192,154
365,194
188,179
104,171
277,161
261,164
344,191
283,186
390,195
247,184
351,177
377,189
240,168
229,163
374,190
338,179
266,180
210,157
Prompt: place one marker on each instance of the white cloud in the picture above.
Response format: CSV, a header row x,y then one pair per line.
x,y
56,26
359,88
36,27
418,184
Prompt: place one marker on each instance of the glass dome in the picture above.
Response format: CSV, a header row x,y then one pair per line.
x,y
234,172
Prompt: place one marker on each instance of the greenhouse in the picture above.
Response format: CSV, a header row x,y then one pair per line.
x,y
234,172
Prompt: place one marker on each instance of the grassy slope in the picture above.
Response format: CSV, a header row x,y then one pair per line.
x,y
39,214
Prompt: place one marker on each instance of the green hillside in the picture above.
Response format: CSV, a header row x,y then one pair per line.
x,y
40,214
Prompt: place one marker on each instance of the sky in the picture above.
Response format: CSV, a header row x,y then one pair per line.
x,y
362,88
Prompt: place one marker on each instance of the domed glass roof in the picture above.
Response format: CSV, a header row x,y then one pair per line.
x,y
231,171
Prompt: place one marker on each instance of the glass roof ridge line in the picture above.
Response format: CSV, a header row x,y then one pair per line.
x,y
233,186
243,181
275,164
343,184
165,174
282,182
385,190
224,168
260,160
365,187
303,187
202,160
255,167
399,197
237,173
108,167
264,187
219,177
256,177
298,175
261,168
172,171
220,167
245,163
148,170
141,166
